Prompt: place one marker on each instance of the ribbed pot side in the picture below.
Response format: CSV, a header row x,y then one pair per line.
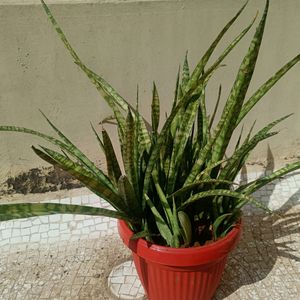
x,y
180,274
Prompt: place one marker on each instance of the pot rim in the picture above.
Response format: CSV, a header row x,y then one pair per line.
x,y
181,256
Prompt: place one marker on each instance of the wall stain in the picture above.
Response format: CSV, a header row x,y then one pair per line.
x,y
39,180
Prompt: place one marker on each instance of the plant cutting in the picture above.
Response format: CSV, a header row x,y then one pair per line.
x,y
173,189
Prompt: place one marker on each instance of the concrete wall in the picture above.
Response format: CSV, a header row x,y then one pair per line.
x,y
130,43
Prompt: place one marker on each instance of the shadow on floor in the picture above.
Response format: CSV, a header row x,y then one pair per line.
x,y
267,241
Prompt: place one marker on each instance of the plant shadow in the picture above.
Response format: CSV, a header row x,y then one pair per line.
x,y
268,244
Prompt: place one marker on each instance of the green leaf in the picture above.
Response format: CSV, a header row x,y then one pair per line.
x,y
192,83
181,103
160,140
185,72
243,199
237,158
98,138
212,142
239,139
130,164
26,210
127,193
144,136
265,88
186,227
101,84
113,168
253,186
155,110
142,234
80,173
181,138
70,148
234,163
175,227
204,119
250,132
197,184
163,199
236,98
162,226
75,151
218,222
216,108
230,47
176,89
113,99
108,120
204,152
205,173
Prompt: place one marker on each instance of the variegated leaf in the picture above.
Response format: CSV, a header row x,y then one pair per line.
x,y
236,98
27,210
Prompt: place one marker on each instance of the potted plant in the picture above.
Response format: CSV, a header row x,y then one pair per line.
x,y
174,193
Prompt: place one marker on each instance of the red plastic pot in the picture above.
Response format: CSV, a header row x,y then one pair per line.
x,y
179,274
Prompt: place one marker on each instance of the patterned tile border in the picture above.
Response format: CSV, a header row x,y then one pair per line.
x,y
17,235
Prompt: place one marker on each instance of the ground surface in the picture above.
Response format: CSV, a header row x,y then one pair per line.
x,y
71,257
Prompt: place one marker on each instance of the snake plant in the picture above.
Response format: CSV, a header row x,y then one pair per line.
x,y
174,184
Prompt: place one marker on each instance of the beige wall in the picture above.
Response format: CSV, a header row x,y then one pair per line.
x,y
131,43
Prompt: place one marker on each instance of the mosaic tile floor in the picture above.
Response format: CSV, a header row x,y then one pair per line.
x,y
72,257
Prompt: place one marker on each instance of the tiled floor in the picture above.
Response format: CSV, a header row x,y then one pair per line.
x,y
71,257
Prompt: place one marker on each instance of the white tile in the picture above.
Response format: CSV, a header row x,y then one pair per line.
x,y
35,237
16,240
4,242
79,217
65,201
53,233
44,228
85,230
16,232
98,220
76,200
54,218
130,279
34,229
65,236
36,221
67,217
88,222
54,226
133,291
44,219
11,224
117,279
127,271
26,224
94,199
94,235
101,227
25,238
125,289
6,233
115,287
25,231
85,199
63,226
44,235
